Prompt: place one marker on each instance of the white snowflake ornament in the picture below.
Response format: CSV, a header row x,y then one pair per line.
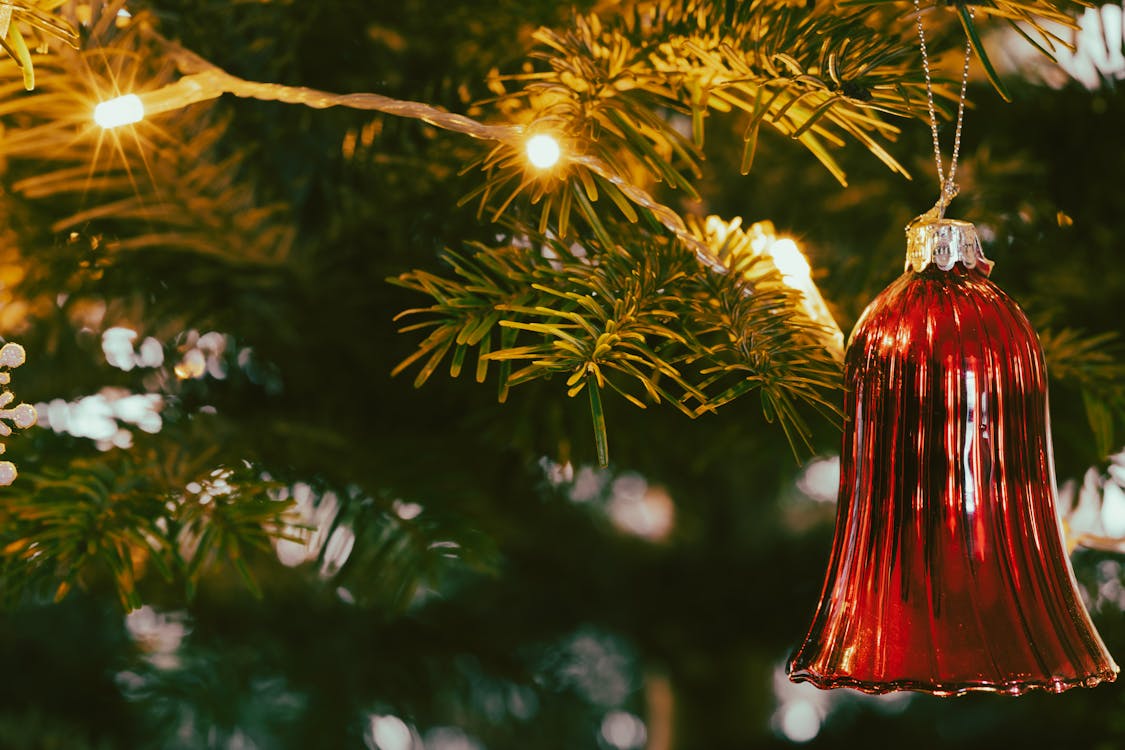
x,y
21,416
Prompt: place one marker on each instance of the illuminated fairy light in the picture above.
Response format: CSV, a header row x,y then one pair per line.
x,y
124,110
797,274
543,151
790,262
203,81
132,108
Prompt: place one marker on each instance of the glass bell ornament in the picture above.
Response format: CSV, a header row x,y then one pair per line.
x,y
948,570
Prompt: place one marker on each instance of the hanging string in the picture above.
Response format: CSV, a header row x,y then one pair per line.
x,y
946,183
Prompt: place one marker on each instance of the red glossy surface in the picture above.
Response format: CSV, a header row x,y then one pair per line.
x,y
948,570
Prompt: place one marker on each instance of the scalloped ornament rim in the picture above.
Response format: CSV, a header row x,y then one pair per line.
x,y
944,243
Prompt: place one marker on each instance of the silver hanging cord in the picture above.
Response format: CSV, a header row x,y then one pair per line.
x,y
948,186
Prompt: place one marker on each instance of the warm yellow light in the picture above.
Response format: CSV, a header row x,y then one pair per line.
x,y
543,151
124,110
719,229
789,260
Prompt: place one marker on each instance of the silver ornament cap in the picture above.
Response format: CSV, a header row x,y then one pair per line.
x,y
943,243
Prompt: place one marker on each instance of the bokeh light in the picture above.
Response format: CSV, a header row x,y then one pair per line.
x,y
623,731
101,416
820,479
388,732
1093,512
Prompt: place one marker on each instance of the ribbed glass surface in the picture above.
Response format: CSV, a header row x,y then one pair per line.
x,y
948,570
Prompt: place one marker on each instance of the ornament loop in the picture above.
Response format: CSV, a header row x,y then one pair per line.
x,y
943,242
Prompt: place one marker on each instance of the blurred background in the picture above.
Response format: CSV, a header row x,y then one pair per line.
x,y
453,573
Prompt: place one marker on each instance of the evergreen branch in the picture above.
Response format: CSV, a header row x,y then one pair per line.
x,y
225,515
19,20
396,557
1041,15
1093,366
68,526
118,516
608,86
155,188
649,322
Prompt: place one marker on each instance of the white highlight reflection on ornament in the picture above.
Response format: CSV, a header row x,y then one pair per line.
x,y
543,151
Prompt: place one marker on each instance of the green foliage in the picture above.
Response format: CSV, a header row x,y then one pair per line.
x,y
1092,365
147,190
649,322
38,22
63,526
400,558
95,520
1042,18
616,90
452,563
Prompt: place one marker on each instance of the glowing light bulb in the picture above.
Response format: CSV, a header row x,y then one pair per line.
x,y
124,110
789,260
543,151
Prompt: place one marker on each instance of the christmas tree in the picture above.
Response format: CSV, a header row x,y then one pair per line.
x,y
446,374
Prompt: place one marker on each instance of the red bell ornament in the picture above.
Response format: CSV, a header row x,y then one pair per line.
x,y
948,571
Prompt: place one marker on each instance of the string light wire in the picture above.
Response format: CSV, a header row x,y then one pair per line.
x,y
203,81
